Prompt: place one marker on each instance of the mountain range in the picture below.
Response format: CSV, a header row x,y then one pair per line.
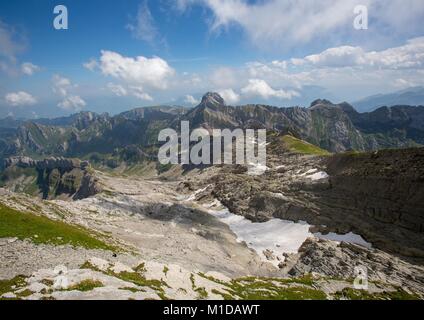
x,y
132,135
412,96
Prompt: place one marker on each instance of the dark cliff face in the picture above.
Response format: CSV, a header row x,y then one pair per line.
x,y
50,178
385,193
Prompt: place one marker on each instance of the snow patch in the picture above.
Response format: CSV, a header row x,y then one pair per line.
x,y
318,176
276,235
314,174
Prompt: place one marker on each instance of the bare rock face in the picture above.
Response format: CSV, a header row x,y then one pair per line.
x,y
55,176
23,162
89,187
50,163
340,259
212,98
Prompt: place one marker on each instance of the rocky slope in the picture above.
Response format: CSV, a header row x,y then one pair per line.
x,y
172,247
376,195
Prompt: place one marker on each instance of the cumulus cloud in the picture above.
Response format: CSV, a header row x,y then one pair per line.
x,y
345,70
61,85
190,100
260,88
72,103
229,96
291,23
64,88
410,55
91,64
21,98
117,89
140,71
139,93
29,68
124,91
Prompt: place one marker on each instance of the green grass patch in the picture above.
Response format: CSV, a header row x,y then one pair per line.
x,y
86,285
40,229
25,293
165,270
133,290
201,291
353,294
12,284
137,277
271,290
253,288
299,146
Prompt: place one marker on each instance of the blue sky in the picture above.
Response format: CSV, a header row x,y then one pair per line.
x,y
117,55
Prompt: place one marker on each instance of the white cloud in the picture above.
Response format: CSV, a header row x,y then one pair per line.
x,y
117,89
139,71
72,102
223,77
191,100
258,87
61,85
139,93
64,88
29,68
346,71
292,23
124,91
410,55
12,43
144,27
21,98
91,64
229,96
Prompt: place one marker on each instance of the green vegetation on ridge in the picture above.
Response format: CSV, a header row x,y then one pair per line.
x,y
40,229
299,146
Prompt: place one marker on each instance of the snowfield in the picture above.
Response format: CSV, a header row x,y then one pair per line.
x,y
276,235
272,239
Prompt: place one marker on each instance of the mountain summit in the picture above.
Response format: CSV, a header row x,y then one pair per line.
x,y
212,99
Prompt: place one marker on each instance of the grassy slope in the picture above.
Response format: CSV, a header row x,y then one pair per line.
x,y
299,146
40,229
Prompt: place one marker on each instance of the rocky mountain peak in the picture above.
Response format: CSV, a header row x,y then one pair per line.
x,y
212,98
320,102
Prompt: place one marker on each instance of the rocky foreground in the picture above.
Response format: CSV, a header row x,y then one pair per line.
x,y
174,238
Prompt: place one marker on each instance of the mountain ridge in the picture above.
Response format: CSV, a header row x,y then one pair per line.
x,y
333,127
413,96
